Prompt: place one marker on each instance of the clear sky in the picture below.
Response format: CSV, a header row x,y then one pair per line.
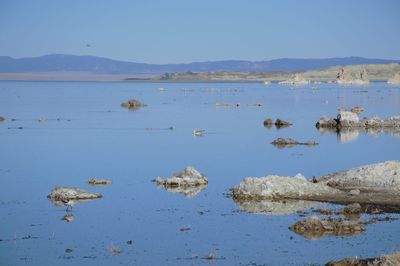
x,y
178,31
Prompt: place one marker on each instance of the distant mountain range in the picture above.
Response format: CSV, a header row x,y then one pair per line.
x,y
100,65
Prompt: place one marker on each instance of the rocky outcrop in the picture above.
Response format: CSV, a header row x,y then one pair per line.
x,y
313,227
64,194
280,187
377,184
374,177
395,80
288,142
356,79
132,104
347,119
188,177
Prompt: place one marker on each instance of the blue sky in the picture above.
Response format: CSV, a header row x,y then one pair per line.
x,y
178,31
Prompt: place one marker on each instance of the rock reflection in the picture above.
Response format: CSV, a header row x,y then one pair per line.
x,y
346,135
274,207
188,192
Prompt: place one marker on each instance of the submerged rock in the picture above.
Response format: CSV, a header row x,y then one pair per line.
x,y
64,194
186,178
313,227
132,104
379,176
288,142
352,209
94,181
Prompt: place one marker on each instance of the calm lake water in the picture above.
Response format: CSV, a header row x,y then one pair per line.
x,y
87,134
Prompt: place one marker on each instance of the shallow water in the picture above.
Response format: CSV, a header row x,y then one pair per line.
x,y
95,137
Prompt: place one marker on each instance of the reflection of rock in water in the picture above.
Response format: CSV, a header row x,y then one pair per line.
x,y
188,192
346,135
269,207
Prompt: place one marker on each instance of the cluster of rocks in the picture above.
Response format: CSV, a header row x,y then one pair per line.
x,y
279,123
348,119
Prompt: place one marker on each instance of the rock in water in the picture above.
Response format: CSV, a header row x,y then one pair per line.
x,y
288,142
281,123
280,187
67,193
313,227
186,178
132,104
384,175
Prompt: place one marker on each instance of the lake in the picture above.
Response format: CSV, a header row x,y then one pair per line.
x,y
85,133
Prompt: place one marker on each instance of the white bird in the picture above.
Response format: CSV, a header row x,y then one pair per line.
x,y
198,132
